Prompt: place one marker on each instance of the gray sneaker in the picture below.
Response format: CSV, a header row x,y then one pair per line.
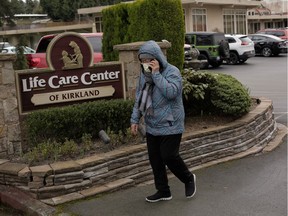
x,y
190,188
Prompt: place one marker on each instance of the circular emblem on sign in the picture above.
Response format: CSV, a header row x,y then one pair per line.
x,y
69,50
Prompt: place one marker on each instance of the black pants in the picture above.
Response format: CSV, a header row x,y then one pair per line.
x,y
164,150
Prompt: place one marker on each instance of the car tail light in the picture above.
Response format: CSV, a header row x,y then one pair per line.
x,y
244,43
32,62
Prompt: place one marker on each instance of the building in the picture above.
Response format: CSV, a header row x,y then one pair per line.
x,y
270,14
229,16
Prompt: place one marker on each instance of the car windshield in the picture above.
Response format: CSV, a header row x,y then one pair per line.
x,y
245,39
96,43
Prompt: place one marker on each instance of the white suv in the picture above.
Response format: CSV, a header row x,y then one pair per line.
x,y
241,48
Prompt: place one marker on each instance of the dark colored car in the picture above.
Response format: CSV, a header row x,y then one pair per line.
x,y
212,47
268,45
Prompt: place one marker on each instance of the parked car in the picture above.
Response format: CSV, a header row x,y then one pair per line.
x,y
280,32
241,48
212,47
268,45
12,49
4,44
38,59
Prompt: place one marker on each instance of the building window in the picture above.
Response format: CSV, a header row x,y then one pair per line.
x,y
98,24
268,25
253,27
241,21
199,19
234,21
278,24
229,21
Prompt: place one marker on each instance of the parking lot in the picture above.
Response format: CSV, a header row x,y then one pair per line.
x,y
264,77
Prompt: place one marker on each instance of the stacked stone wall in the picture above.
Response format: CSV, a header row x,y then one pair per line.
x,y
10,136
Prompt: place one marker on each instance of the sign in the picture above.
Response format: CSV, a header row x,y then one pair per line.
x,y
71,77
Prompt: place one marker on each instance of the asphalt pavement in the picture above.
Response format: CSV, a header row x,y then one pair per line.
x,y
251,186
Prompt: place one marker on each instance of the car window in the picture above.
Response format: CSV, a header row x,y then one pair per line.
x,y
42,46
96,43
218,38
204,40
4,51
276,33
230,40
258,38
189,39
245,39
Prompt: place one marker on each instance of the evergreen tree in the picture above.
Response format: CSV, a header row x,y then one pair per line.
x,y
6,12
21,60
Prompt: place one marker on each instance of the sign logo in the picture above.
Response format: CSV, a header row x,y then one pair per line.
x,y
71,77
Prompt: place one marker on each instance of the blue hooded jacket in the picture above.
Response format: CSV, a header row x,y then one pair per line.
x,y
168,111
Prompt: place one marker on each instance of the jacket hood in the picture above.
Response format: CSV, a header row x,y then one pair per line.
x,y
152,48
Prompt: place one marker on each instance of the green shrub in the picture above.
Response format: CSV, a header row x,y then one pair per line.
x,y
212,93
72,122
145,20
229,96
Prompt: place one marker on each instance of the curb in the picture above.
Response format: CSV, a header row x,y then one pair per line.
x,y
21,201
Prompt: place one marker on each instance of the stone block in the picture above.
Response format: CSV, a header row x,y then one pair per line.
x,y
25,172
91,161
42,170
65,166
90,174
35,185
68,178
12,168
121,162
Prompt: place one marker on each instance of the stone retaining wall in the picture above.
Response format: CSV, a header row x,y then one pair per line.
x,y
64,181
10,136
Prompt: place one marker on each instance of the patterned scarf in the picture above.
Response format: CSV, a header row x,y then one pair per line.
x,y
145,101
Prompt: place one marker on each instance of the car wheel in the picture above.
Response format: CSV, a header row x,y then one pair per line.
x,y
233,58
266,51
205,63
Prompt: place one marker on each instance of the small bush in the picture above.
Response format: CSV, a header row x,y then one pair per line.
x,y
212,93
229,96
72,122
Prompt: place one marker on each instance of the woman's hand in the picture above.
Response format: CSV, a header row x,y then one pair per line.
x,y
154,64
134,129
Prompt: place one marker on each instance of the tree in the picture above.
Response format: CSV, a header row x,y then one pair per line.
x,y
6,13
145,20
21,61
65,10
31,6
